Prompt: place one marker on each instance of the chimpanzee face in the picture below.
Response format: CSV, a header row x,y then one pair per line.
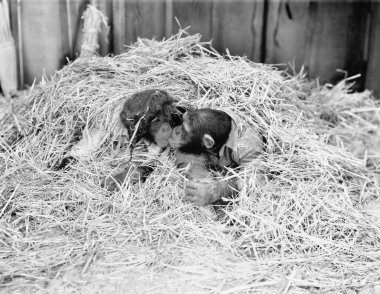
x,y
202,131
148,115
160,131
182,134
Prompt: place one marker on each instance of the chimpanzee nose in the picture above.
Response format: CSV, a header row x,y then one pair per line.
x,y
166,127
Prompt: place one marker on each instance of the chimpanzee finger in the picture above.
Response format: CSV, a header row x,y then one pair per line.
x,y
190,194
189,197
192,185
192,199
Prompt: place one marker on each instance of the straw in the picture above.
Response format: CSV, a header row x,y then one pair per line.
x,y
296,227
93,19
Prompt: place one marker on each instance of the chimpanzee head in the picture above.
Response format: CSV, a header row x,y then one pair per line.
x,y
150,115
202,130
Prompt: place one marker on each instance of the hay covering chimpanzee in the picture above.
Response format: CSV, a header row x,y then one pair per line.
x,y
206,142
149,117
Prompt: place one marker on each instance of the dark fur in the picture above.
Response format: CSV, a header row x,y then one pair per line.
x,y
216,123
147,105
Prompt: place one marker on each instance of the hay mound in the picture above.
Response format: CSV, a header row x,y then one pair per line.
x,y
296,225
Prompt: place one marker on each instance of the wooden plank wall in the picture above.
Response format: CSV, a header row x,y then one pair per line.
x,y
373,51
322,36
133,18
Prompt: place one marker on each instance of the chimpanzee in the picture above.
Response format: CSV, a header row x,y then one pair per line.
x,y
149,117
211,140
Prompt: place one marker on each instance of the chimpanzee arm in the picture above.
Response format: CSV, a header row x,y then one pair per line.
x,y
203,188
210,191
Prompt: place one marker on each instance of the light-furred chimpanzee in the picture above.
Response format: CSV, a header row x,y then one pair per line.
x,y
149,117
213,140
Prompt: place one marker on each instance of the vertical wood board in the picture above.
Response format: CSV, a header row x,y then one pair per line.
x,y
118,23
237,25
41,33
133,19
144,19
194,13
15,33
373,70
329,41
287,30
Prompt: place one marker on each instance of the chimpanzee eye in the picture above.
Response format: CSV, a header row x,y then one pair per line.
x,y
155,125
135,119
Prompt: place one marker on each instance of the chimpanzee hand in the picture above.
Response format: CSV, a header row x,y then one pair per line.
x,y
206,191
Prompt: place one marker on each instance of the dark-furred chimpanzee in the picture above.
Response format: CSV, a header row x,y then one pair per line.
x,y
212,140
149,117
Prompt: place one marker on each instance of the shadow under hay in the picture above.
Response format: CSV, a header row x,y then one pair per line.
x,y
297,218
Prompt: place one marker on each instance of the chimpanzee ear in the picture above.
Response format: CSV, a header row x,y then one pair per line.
x,y
208,141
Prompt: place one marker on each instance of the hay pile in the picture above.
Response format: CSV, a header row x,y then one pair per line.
x,y
295,228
